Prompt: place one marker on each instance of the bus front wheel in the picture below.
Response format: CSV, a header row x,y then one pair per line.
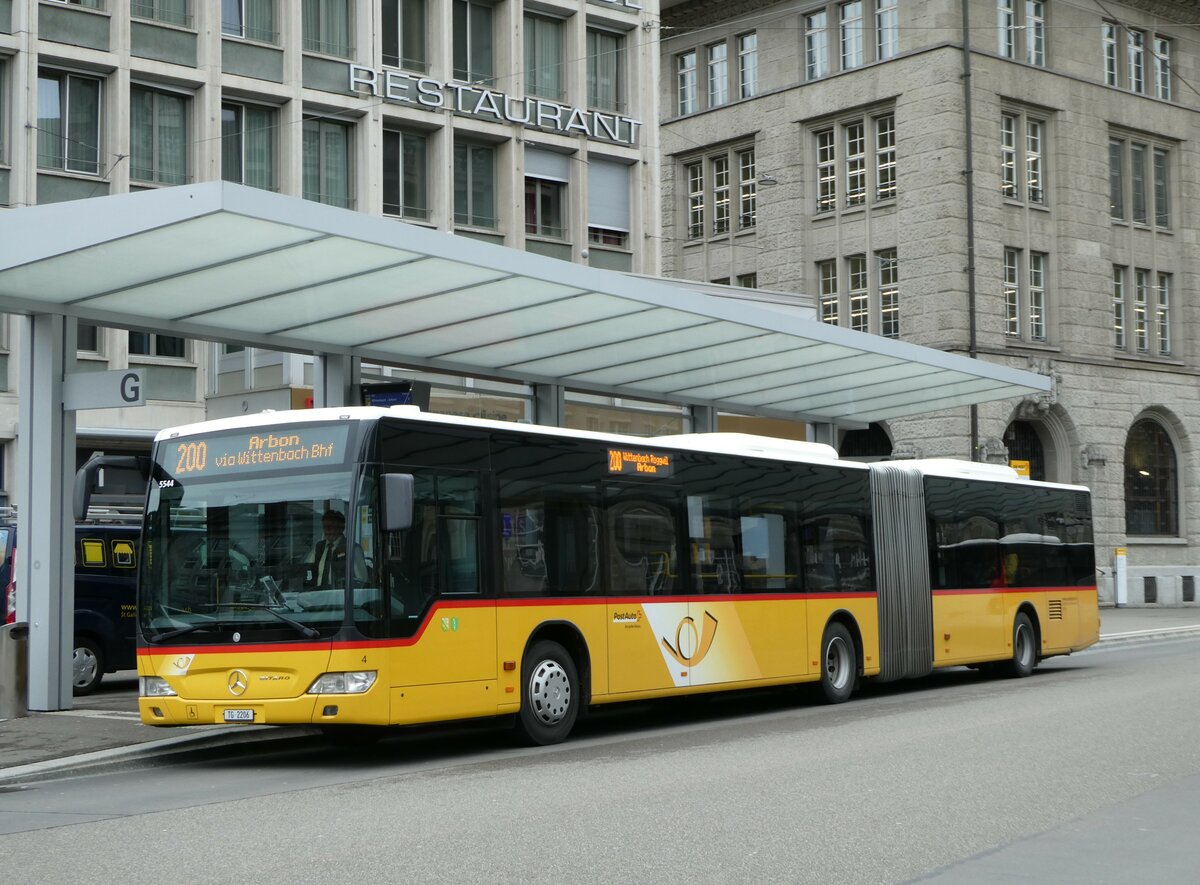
x,y
1024,647
550,695
839,664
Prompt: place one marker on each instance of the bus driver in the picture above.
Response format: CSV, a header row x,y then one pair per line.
x,y
325,563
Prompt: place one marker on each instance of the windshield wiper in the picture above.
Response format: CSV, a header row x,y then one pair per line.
x,y
304,629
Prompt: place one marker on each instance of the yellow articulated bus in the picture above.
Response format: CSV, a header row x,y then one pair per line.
x,y
372,567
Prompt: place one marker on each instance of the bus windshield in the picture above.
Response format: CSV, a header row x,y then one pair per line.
x,y
265,557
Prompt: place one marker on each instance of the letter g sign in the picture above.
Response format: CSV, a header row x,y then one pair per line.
x,y
131,387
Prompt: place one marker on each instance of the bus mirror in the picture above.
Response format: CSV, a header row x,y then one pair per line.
x,y
397,501
86,476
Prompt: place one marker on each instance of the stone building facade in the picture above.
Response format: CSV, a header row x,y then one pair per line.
x,y
1019,185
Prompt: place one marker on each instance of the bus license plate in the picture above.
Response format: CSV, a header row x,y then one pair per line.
x,y
239,715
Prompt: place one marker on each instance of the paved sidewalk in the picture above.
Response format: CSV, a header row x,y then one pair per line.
x,y
105,727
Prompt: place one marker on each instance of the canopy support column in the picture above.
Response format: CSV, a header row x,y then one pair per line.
x,y
549,405
824,433
337,379
704,419
46,533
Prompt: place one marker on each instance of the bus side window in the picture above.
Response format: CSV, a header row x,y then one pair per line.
x,y
642,549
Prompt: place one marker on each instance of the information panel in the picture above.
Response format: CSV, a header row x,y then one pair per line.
x,y
279,448
626,462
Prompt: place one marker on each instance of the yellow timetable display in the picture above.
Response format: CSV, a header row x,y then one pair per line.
x,y
626,461
212,456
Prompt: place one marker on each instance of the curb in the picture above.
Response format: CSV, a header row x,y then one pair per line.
x,y
1152,633
160,749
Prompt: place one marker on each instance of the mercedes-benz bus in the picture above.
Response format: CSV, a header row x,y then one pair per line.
x,y
495,569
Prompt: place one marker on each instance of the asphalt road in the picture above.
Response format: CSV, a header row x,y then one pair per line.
x,y
1087,772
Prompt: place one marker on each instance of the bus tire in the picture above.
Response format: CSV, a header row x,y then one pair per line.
x,y
839,664
87,667
1024,648
550,695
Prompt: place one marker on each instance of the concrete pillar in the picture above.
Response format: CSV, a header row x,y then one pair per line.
x,y
45,527
337,380
549,405
704,419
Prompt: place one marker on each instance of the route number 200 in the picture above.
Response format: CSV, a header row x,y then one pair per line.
x,y
192,457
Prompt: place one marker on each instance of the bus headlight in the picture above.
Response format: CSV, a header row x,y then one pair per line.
x,y
355,682
154,687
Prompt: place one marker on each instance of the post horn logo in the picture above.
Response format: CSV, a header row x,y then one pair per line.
x,y
695,643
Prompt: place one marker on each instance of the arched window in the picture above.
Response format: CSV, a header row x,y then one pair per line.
x,y
1151,503
1023,444
872,443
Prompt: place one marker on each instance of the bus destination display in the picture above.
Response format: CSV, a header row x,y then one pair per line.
x,y
624,461
275,449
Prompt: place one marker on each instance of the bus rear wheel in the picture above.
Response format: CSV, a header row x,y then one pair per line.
x,y
550,695
87,667
1024,647
839,664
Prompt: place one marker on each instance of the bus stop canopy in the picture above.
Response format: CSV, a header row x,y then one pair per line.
x,y
229,263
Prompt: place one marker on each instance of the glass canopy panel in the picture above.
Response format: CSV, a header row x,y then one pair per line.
x,y
674,360
937,394
150,255
346,306
812,365
831,396
195,294
731,369
701,334
550,348
570,316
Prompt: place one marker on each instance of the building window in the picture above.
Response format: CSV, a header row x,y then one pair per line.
x,y
543,57
404,34
1021,30
151,344
719,168
86,4
608,198
327,168
731,175
1162,68
248,145
816,46
1109,42
1151,481
170,12
251,19
68,122
1141,308
867,31
474,184
1139,183
1024,295
405,174
850,28
887,29
889,293
544,208
1135,46
87,338
871,303
3,117
747,280
685,70
1022,179
747,190
158,136
860,171
605,62
748,65
694,172
827,274
326,27
474,45
718,75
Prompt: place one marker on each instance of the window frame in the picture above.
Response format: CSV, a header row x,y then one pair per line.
x,y
534,70
241,107
468,218
1024,286
245,14
870,300
321,196
152,10
320,43
68,136
153,340
400,208
1157,472
1142,311
157,173
855,172
725,179
393,16
593,37
1140,193
1023,160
